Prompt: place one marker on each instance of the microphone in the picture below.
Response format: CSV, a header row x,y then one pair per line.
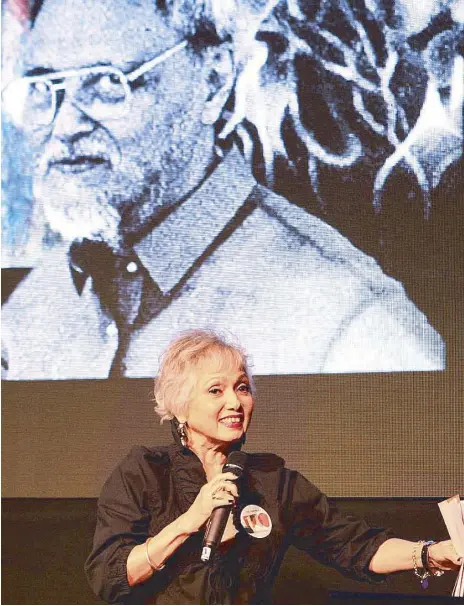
x,y
218,519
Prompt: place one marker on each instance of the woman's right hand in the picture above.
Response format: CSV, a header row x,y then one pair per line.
x,y
219,491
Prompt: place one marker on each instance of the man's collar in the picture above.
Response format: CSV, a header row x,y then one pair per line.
x,y
170,249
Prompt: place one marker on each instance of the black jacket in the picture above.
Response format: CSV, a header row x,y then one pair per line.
x,y
153,486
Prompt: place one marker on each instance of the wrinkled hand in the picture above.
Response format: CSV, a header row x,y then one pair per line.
x,y
219,491
443,556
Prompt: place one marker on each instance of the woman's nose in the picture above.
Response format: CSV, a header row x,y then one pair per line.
x,y
233,401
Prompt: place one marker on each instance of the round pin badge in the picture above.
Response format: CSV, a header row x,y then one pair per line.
x,y
256,521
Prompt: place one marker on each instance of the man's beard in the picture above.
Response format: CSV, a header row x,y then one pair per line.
x,y
98,213
79,214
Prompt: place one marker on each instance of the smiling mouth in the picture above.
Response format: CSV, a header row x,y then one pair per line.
x,y
78,164
232,421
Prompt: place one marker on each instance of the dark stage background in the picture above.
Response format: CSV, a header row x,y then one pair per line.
x,y
354,114
353,436
47,567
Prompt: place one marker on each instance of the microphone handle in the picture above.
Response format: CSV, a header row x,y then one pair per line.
x,y
215,530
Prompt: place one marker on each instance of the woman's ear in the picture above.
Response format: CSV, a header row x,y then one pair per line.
x,y
220,81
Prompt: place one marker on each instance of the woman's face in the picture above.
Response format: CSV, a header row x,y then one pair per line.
x,y
221,403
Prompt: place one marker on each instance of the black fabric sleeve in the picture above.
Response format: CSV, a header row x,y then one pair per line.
x,y
335,539
122,523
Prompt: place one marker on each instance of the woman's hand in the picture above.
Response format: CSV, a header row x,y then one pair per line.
x,y
219,491
443,556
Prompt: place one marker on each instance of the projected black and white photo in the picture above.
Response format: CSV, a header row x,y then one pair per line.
x,y
283,172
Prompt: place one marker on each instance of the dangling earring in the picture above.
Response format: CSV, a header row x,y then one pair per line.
x,y
182,434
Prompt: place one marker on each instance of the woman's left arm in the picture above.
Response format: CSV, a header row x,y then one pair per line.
x,y
395,555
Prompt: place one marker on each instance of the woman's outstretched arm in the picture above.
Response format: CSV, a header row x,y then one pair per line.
x,y
395,555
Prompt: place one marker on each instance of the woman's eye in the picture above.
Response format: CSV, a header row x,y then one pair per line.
x,y
215,390
244,387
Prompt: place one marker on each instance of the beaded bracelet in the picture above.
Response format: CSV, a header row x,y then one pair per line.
x,y
425,564
424,575
425,559
152,566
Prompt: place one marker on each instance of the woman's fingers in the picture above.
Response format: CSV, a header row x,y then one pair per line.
x,y
220,491
231,477
225,481
454,555
444,556
227,487
222,498
450,553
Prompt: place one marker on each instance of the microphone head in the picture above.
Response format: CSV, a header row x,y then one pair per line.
x,y
236,462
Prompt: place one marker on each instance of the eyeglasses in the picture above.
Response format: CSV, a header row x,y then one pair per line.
x,y
102,92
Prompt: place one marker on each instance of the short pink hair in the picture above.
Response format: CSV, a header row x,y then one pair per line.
x,y
176,378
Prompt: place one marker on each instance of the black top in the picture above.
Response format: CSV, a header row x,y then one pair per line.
x,y
153,486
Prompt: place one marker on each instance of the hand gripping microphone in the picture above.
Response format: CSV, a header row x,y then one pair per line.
x,y
218,519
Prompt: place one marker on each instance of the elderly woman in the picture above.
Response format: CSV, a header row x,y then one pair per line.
x,y
154,508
